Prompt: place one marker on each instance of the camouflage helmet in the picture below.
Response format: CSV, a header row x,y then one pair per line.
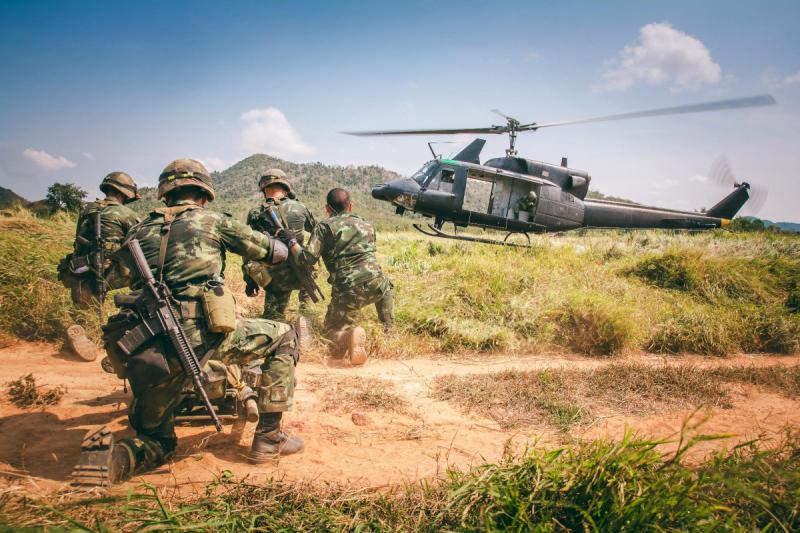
x,y
121,183
275,176
185,173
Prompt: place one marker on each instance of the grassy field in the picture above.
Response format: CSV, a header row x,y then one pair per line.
x,y
597,293
626,485
566,397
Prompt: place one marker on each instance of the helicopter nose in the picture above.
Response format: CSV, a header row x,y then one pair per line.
x,y
392,190
378,192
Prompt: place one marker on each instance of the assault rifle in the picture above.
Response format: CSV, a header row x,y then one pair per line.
x,y
160,317
302,272
99,260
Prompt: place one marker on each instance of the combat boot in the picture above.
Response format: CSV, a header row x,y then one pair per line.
x,y
357,346
102,462
267,446
80,344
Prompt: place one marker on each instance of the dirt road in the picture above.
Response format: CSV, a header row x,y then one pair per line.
x,y
40,446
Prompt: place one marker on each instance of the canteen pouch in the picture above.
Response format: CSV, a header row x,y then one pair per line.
x,y
219,308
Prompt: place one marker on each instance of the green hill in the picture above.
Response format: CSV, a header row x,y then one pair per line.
x,y
237,189
9,198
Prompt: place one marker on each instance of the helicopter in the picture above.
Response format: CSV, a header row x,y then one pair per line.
x,y
517,195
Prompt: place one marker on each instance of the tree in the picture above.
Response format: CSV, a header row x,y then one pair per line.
x,y
65,196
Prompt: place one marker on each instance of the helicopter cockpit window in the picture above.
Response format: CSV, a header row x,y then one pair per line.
x,y
448,175
423,175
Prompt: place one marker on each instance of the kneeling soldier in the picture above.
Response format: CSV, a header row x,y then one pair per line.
x,y
346,244
184,245
101,228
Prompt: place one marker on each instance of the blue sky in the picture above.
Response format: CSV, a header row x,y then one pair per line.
x,y
89,87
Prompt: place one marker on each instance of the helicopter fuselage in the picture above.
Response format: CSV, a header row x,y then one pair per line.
x,y
491,195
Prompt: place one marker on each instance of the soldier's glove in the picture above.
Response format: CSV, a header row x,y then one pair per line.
x,y
287,235
251,289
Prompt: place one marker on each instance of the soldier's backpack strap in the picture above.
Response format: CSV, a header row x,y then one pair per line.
x,y
169,217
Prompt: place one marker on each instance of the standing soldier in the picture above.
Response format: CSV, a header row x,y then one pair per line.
x,y
296,217
184,245
346,244
78,271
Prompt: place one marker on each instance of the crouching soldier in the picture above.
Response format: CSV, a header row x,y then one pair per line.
x,y
101,228
279,196
346,244
184,246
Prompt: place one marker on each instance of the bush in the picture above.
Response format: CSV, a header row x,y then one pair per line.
x,y
699,330
593,326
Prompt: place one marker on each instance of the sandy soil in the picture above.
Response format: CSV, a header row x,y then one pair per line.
x,y
40,446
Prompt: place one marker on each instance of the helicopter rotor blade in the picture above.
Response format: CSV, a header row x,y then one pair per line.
x,y
758,196
721,172
750,101
498,112
493,129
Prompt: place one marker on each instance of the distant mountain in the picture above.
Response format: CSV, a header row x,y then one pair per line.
x,y
237,187
785,226
9,198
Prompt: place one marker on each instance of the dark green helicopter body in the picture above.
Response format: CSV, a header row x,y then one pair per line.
x,y
465,192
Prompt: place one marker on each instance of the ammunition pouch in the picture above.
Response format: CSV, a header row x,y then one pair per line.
x,y
259,272
219,308
136,349
72,269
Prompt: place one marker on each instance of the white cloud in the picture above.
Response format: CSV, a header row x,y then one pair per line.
x,y
267,130
213,164
662,55
698,178
88,155
45,160
793,79
531,57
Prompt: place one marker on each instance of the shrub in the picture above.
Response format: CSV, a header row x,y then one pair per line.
x,y
593,326
699,330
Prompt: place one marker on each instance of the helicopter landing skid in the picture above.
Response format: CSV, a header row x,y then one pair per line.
x,y
433,231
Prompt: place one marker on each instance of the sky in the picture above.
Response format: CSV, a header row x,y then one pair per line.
x,y
89,87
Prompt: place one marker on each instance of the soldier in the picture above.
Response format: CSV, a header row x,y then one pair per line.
x,y
296,217
75,271
346,244
185,245
526,207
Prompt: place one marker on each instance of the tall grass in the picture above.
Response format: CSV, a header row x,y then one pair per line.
x,y
625,485
597,293
33,303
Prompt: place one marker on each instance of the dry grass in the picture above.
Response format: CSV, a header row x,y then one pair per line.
x,y
351,393
600,485
25,394
567,397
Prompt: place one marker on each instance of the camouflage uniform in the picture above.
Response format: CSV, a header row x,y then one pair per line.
x,y
197,242
116,220
346,244
295,216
